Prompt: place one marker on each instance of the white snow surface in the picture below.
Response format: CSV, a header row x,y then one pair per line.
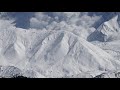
x,y
50,53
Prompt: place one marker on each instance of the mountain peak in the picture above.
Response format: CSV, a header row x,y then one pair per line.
x,y
109,26
112,23
106,30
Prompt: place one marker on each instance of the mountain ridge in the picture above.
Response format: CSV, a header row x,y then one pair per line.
x,y
61,53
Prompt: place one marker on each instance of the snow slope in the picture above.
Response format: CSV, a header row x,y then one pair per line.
x,y
59,53
53,53
112,42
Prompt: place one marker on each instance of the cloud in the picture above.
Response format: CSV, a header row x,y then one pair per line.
x,y
5,21
77,22
88,21
61,20
40,21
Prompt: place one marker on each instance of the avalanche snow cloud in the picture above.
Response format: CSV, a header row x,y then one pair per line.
x,y
59,44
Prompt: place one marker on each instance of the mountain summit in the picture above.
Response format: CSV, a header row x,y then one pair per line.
x,y
106,30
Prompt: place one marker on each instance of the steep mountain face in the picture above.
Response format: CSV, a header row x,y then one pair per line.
x,y
107,31
53,53
61,53
111,45
109,35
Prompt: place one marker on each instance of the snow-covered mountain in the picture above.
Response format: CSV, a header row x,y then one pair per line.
x,y
107,31
60,53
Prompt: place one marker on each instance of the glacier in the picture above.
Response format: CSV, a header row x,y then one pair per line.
x,y
61,53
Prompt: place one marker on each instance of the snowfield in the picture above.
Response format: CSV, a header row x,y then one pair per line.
x,y
61,53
